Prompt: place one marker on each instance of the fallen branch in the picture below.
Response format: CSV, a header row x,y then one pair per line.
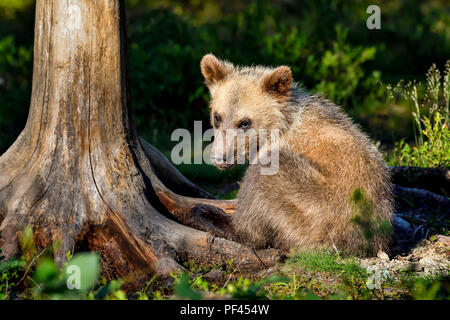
x,y
436,180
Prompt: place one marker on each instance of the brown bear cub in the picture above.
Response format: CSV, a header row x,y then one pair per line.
x,y
331,189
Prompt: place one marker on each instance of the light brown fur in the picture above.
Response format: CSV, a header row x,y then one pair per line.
x,y
324,158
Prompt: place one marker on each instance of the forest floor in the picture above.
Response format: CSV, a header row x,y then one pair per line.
x,y
417,267
423,273
419,272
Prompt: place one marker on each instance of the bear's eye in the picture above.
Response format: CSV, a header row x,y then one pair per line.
x,y
217,120
245,124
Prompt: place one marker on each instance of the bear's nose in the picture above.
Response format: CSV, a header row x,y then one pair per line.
x,y
217,159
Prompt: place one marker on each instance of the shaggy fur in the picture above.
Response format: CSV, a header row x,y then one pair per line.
x,y
324,158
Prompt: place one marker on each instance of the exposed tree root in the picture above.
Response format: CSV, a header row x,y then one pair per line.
x,y
436,180
166,180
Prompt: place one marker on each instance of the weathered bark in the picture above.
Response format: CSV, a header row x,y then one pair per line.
x,y
79,174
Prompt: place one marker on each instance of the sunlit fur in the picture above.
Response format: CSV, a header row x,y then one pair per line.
x,y
241,94
324,158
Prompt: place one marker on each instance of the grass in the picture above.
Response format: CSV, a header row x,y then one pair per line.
x,y
430,110
313,275
325,261
327,275
430,288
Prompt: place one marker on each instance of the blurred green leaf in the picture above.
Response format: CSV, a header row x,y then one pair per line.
x,y
184,290
88,266
46,271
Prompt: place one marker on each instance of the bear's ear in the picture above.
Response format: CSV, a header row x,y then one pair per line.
x,y
213,69
279,81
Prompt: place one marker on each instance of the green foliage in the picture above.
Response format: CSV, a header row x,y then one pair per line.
x,y
242,288
15,89
27,244
312,275
89,265
247,289
424,293
317,275
377,278
36,276
294,288
338,56
196,268
432,139
340,72
166,88
425,287
17,18
364,218
184,290
15,4
433,152
10,274
51,282
173,46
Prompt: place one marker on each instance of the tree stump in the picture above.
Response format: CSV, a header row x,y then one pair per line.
x,y
79,174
